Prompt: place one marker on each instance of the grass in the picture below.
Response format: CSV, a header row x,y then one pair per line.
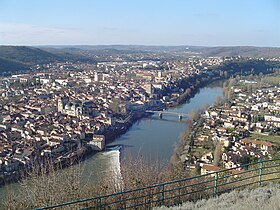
x,y
199,151
263,198
273,79
264,137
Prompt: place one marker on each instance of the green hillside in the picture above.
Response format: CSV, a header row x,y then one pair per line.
x,y
11,66
21,58
27,55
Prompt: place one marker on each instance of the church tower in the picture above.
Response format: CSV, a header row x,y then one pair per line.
x,y
61,103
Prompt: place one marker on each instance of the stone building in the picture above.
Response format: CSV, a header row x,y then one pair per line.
x,y
76,108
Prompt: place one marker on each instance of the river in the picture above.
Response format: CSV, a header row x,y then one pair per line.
x,y
155,138
152,137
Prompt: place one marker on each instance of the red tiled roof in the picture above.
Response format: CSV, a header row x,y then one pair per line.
x,y
217,168
257,142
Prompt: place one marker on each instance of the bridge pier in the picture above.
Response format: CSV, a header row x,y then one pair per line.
x,y
160,113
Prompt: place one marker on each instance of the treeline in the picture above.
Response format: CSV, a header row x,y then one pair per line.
x,y
183,148
245,67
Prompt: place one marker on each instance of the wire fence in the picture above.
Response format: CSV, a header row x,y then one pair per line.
x,y
178,191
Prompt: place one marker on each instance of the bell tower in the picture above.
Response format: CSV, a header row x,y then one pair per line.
x,y
61,103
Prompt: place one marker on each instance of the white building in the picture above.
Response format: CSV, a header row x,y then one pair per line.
x,y
98,142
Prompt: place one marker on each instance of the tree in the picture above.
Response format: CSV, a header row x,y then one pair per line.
x,y
217,154
219,101
114,105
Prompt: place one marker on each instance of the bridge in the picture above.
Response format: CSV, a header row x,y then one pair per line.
x,y
161,113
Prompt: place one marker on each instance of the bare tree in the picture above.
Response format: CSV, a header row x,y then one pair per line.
x,y
217,154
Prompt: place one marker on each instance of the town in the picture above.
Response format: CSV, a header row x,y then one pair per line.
x,y
139,104
64,111
243,129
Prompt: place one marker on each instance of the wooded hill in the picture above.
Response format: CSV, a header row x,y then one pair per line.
x,y
22,58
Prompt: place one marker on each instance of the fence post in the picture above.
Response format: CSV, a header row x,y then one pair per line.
x,y
162,195
260,171
216,183
99,205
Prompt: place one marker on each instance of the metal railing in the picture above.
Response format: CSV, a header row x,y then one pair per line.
x,y
178,191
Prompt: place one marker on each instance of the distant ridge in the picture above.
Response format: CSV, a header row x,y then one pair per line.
x,y
246,51
21,58
242,51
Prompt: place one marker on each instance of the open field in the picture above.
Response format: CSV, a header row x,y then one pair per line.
x,y
264,137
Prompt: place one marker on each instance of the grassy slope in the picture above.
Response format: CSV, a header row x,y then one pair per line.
x,y
263,198
263,137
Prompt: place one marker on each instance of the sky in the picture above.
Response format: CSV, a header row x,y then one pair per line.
x,y
140,22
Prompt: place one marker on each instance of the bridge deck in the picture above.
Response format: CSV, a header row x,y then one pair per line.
x,y
166,112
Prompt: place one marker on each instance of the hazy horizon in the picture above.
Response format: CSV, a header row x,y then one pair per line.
x,y
141,22
140,45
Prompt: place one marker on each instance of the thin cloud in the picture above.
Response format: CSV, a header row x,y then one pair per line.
x,y
32,34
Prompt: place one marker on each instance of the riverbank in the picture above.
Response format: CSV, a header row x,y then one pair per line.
x,y
199,81
190,85
184,88
122,128
47,165
150,137
154,137
217,134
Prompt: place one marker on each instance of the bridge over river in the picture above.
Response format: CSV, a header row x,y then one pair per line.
x,y
161,113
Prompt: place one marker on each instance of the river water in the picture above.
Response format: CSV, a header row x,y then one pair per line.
x,y
155,138
152,137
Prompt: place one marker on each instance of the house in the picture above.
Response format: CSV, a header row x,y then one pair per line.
x,y
263,145
207,158
211,169
229,125
271,118
97,142
208,169
225,141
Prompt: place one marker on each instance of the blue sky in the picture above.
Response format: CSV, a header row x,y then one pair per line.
x,y
147,22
